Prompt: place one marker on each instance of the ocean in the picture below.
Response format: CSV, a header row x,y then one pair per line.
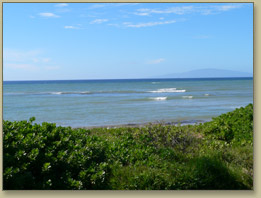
x,y
88,103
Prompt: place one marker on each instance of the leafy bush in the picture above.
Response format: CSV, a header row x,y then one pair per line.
x,y
235,127
50,157
213,155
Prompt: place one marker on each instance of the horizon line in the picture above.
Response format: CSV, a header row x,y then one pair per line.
x,y
129,79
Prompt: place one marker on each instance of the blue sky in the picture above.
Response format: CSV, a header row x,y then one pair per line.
x,y
51,41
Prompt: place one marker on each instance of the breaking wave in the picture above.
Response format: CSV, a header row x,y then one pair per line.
x,y
167,90
188,97
159,98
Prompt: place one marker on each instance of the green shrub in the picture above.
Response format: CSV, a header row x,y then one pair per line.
x,y
50,157
234,127
213,155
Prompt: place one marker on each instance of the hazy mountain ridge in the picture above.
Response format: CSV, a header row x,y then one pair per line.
x,y
207,73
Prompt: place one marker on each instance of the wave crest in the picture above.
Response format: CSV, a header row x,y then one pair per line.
x,y
168,90
188,97
159,98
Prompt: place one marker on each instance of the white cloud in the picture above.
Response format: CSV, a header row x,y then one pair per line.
x,y
20,56
35,60
25,60
125,4
228,7
52,68
21,66
103,5
46,60
70,27
181,10
206,11
77,26
41,60
29,67
94,6
156,61
48,14
174,10
61,5
149,24
98,21
114,24
142,13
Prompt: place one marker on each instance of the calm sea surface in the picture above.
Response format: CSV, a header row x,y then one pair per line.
x,y
79,103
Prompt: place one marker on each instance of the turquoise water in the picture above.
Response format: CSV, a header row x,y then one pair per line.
x,y
79,103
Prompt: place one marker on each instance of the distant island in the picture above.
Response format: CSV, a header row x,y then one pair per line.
x,y
207,73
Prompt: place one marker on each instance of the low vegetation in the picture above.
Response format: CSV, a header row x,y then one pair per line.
x,y
214,155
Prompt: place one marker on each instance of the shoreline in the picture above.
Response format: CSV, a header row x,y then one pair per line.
x,y
139,125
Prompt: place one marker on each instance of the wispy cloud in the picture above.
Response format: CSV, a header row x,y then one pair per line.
x,y
22,66
174,10
142,13
48,15
41,60
51,67
114,24
70,27
217,9
125,4
105,5
227,7
156,61
46,60
148,24
206,11
20,56
98,21
26,60
98,5
182,10
29,67
60,5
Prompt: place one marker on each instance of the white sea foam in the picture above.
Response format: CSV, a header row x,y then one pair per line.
x,y
206,94
187,97
84,92
56,93
159,98
167,90
59,93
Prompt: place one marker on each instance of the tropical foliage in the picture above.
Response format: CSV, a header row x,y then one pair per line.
x,y
214,155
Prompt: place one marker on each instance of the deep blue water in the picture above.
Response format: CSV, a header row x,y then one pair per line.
x,y
111,102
